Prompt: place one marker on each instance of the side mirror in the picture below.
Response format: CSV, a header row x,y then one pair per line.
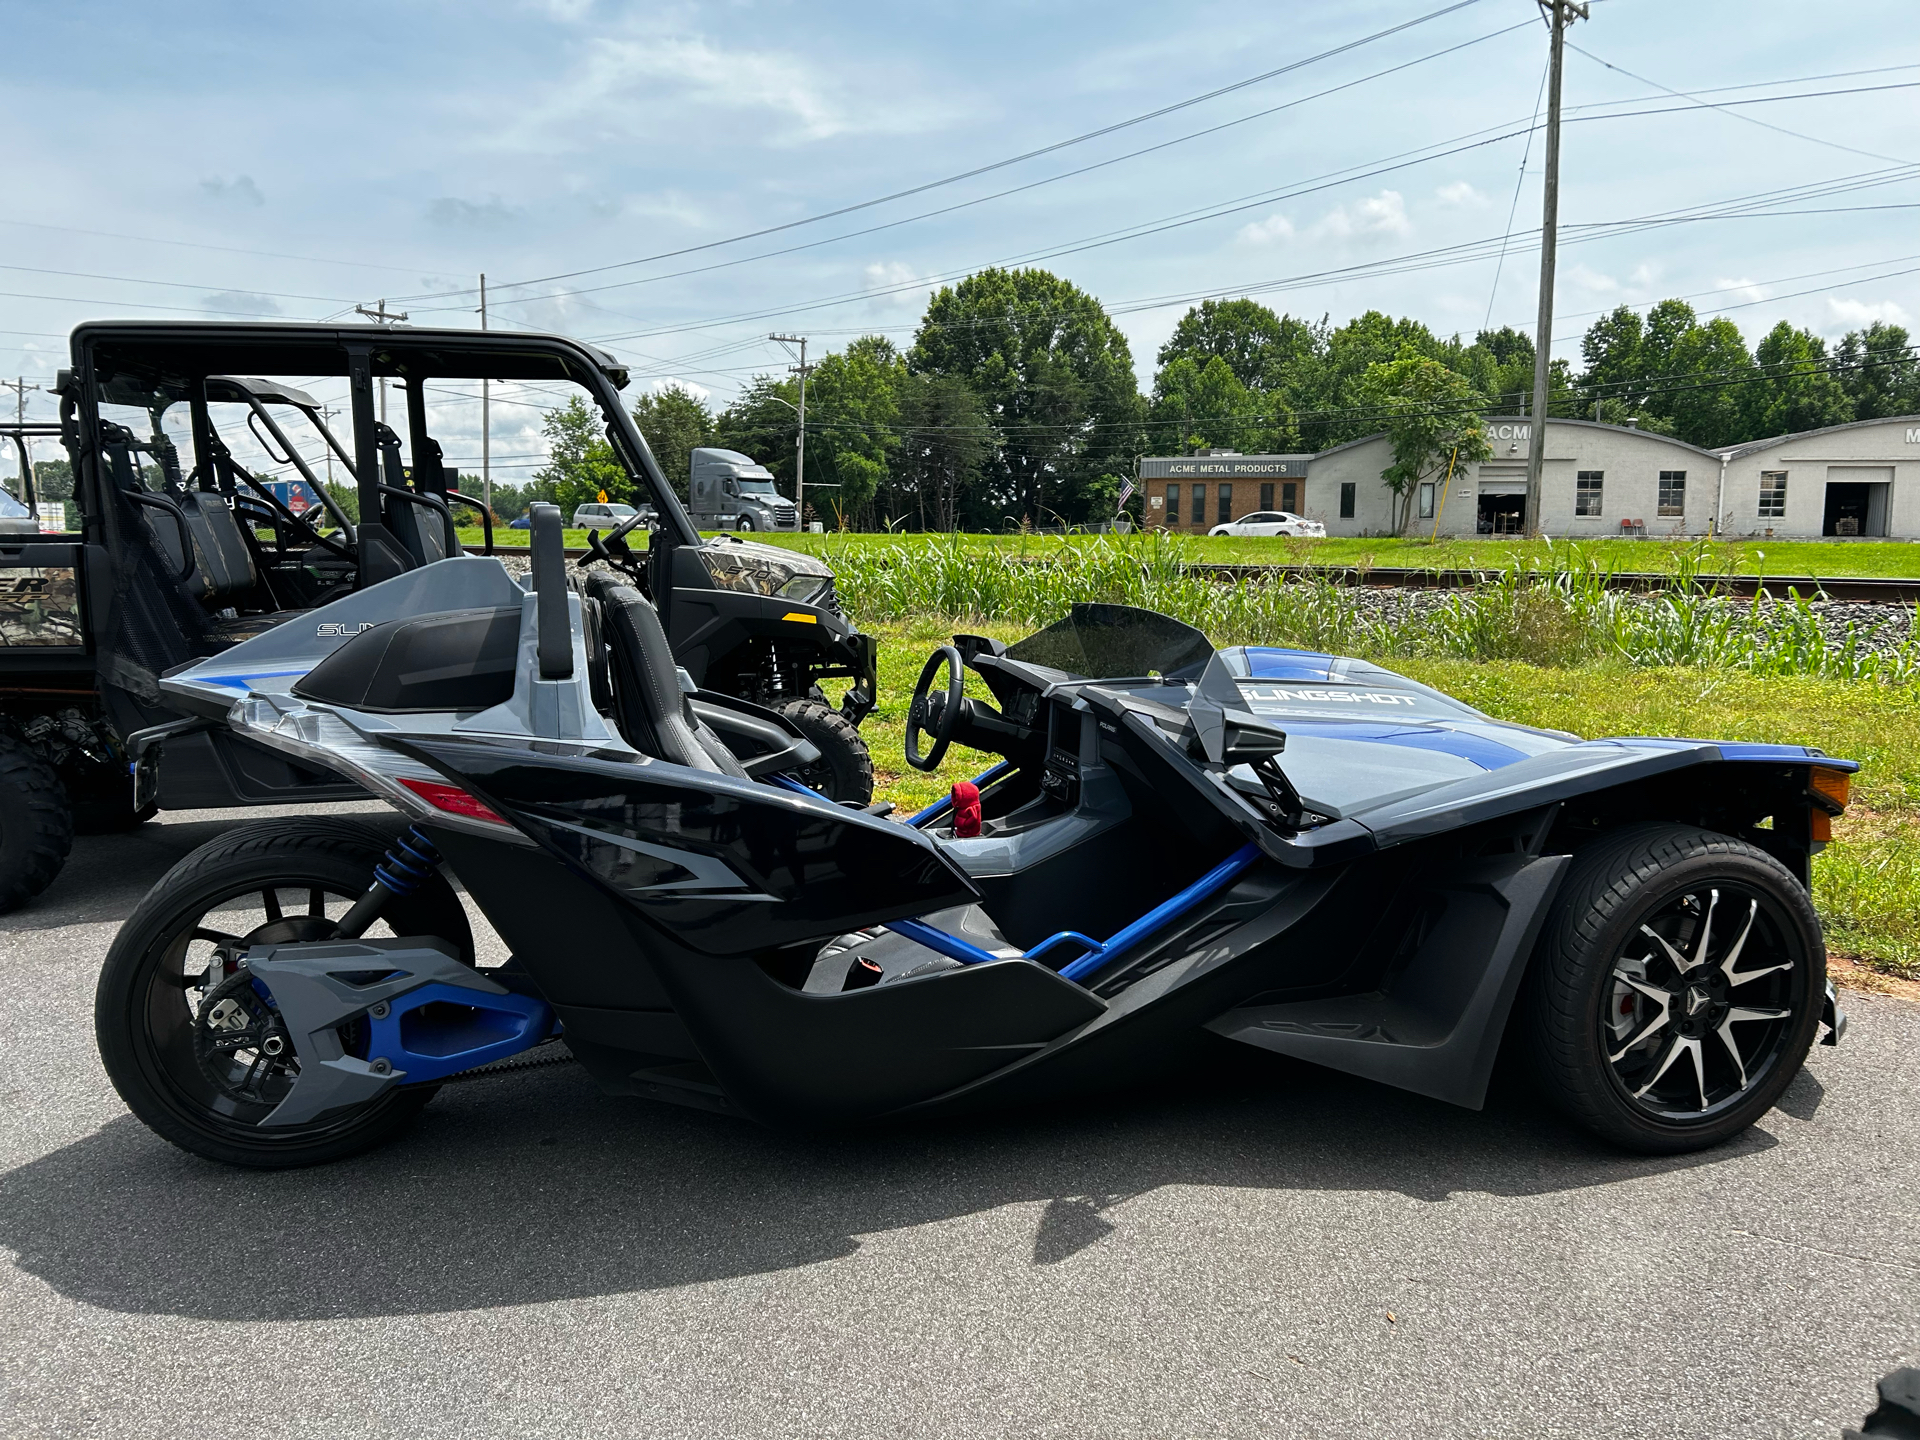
x,y
1249,745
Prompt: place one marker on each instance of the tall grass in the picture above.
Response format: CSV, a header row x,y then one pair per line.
x,y
1556,610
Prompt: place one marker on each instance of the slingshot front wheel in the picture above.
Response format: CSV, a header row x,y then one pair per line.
x,y
195,1049
1676,988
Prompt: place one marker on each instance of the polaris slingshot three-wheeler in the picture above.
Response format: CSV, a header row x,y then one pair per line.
x,y
193,443
1298,852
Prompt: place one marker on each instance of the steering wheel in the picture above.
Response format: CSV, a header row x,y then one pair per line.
x,y
612,547
935,714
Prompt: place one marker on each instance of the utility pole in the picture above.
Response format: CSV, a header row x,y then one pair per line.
x,y
1561,13
20,387
380,315
486,416
800,449
327,412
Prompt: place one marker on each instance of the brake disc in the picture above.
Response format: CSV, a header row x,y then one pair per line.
x,y
241,1044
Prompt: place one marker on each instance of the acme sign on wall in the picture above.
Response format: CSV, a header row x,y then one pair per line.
x,y
1509,430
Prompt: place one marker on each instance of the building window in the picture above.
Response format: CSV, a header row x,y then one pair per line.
x,y
1673,492
1226,504
1586,494
1426,501
1773,494
1173,504
1348,490
1199,504
1266,495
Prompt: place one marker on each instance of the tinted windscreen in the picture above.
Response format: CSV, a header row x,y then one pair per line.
x,y
1108,642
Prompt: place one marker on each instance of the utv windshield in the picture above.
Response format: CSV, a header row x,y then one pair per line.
x,y
10,508
1111,642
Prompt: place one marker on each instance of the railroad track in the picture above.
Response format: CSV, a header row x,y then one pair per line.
x,y
1386,577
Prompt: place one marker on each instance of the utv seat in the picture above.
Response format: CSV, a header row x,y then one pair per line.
x,y
649,706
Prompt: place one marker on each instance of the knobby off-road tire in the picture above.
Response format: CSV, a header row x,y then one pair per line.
x,y
1590,1012
844,771
36,824
143,1008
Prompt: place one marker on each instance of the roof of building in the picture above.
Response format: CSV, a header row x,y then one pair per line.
x,y
1735,452
1555,420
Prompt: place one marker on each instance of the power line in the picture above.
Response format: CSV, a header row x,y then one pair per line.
x,y
1002,164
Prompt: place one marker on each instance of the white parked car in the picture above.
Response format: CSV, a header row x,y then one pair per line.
x,y
1272,522
600,516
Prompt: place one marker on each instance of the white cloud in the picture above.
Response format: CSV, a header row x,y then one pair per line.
x,y
1644,275
239,303
1379,215
238,191
674,382
1741,289
1592,281
456,214
1267,232
891,284
1460,195
1855,314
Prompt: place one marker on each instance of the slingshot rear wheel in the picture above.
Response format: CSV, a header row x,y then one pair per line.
x,y
1676,988
197,1053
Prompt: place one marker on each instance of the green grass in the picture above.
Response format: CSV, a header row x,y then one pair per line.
x,y
1863,558
1866,884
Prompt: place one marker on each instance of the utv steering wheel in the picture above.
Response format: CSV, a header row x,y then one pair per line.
x,y
935,714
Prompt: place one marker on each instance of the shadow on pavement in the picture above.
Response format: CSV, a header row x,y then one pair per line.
x,y
107,875
535,1188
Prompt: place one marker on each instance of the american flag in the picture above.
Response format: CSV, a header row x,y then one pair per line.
x,y
1126,494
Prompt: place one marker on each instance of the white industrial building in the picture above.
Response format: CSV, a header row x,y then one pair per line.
x,y
1859,480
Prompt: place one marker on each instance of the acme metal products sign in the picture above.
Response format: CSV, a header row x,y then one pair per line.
x,y
1224,467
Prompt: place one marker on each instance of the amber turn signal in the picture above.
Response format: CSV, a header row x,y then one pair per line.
x,y
1834,786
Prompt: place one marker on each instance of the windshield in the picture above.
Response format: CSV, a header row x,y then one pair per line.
x,y
10,508
620,511
1109,642
756,487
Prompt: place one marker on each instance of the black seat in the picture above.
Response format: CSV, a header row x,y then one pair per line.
x,y
649,707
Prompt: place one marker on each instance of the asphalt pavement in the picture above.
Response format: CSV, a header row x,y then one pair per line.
x,y
1262,1249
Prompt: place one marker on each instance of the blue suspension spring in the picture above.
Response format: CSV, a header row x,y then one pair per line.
x,y
408,863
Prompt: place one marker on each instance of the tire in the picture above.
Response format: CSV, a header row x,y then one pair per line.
x,y
145,1004
844,772
745,522
36,824
1661,936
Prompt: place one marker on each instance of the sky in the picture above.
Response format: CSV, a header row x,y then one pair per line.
x,y
601,163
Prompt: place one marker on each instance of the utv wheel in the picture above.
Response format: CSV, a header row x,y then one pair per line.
x,y
36,825
1676,988
285,881
844,771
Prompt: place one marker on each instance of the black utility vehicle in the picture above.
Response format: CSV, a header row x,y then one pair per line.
x,y
179,544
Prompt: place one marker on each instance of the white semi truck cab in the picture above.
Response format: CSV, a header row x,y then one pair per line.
x,y
732,491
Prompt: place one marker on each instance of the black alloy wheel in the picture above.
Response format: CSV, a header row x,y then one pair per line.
x,y
195,1050
1676,988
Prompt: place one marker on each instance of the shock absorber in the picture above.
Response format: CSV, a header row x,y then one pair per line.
x,y
405,867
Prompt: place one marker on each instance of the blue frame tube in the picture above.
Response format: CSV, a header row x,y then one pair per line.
x,y
922,818
1208,885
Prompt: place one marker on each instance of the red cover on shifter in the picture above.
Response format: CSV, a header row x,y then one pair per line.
x,y
966,810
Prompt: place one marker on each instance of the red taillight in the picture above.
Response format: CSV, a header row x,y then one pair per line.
x,y
453,800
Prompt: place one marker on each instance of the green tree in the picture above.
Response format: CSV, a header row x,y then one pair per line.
x,y
674,422
852,410
1258,346
1701,387
581,465
1430,416
1056,377
53,479
946,442
1887,381
1200,405
1797,392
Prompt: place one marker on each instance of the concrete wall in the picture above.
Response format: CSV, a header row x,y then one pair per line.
x,y
1872,451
